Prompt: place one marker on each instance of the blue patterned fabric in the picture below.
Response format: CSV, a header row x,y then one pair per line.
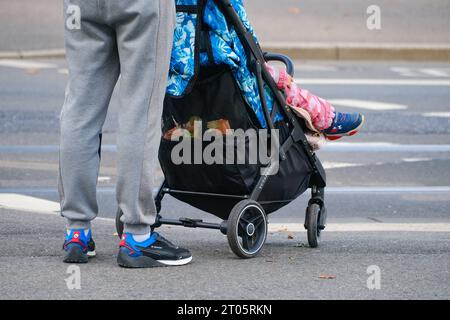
x,y
182,64
226,48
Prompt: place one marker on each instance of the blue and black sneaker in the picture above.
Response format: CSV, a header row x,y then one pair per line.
x,y
154,252
344,124
78,247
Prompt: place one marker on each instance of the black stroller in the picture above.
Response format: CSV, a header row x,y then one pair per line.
x,y
242,195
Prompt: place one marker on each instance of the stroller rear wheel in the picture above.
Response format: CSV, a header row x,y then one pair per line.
x,y
119,224
247,229
312,224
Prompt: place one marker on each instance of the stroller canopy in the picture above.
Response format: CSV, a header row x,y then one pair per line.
x,y
203,37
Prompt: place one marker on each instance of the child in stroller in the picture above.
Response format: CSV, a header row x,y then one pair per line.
x,y
319,115
219,72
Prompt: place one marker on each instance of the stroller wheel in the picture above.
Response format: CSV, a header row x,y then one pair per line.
x,y
119,224
247,229
312,224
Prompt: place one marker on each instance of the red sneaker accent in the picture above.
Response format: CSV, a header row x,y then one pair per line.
x,y
76,237
123,242
333,138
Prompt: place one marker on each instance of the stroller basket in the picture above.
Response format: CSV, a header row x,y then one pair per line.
x,y
222,83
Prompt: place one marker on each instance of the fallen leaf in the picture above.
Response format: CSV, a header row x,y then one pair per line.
x,y
32,71
290,236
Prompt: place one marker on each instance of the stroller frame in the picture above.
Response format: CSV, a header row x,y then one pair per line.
x,y
234,227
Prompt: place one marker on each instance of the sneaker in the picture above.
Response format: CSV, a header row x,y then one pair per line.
x,y
154,252
78,247
344,124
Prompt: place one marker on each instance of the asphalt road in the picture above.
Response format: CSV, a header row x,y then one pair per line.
x,y
28,24
388,199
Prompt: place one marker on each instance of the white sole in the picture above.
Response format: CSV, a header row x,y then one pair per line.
x,y
181,262
91,254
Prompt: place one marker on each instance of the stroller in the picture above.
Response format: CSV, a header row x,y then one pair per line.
x,y
218,75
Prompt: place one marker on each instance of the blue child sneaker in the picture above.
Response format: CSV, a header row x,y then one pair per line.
x,y
154,252
78,246
344,124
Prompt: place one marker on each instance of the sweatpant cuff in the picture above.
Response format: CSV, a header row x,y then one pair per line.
x,y
72,225
137,229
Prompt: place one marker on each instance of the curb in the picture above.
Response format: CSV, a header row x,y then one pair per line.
x,y
33,54
362,51
310,51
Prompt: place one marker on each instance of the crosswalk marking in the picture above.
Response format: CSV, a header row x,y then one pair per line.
x,y
437,114
25,64
368,105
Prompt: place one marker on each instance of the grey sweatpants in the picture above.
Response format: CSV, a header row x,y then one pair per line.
x,y
105,39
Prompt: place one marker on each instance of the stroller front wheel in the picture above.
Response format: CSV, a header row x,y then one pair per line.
x,y
247,229
312,224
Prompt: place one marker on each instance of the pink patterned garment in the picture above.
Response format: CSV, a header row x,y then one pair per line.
x,y
320,111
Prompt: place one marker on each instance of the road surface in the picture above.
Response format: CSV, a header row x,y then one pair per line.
x,y
388,199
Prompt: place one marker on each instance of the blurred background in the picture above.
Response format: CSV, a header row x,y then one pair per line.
x,y
389,187
29,24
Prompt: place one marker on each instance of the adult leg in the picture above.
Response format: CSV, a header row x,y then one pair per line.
x,y
144,38
93,72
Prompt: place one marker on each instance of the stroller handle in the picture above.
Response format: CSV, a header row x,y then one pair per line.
x,y
281,58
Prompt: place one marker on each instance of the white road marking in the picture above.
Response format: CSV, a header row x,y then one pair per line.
x,y
29,165
25,64
368,147
31,204
104,179
435,72
405,72
368,105
366,227
416,159
388,190
339,165
63,71
373,82
437,114
311,67
329,190
362,147
27,203
421,72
